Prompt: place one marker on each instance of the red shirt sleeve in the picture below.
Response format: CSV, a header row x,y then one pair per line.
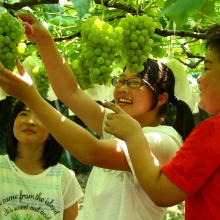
x,y
197,160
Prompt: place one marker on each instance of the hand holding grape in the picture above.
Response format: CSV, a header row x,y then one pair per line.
x,y
19,86
34,30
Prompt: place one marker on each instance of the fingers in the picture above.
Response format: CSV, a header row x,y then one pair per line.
x,y
29,31
3,70
26,17
20,68
113,107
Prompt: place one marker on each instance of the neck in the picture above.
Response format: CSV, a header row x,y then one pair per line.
x,y
29,159
29,166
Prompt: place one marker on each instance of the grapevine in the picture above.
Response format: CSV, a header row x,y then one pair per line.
x,y
102,43
136,40
11,38
41,80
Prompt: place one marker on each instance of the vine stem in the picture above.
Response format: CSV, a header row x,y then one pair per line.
x,y
137,2
102,2
149,5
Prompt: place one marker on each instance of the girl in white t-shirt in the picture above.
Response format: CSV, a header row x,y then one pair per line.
x,y
33,184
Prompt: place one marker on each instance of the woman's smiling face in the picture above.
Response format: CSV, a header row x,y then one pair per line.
x,y
134,101
28,129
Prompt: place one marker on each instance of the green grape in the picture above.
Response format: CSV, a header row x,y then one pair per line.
x,y
103,40
131,53
132,28
107,62
11,35
1,30
5,49
133,37
100,80
134,21
106,76
100,60
135,59
105,26
104,55
134,45
113,35
103,69
100,49
137,43
138,52
21,47
9,55
12,44
140,39
11,23
110,42
111,56
14,29
96,71
106,48
98,52
41,80
7,39
96,40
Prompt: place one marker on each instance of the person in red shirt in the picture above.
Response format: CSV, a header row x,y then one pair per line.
x,y
193,174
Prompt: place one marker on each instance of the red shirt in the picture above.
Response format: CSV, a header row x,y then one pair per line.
x,y
196,170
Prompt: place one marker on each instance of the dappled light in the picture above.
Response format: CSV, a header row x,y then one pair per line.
x,y
63,118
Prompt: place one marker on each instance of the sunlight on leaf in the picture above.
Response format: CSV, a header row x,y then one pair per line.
x,y
179,11
81,6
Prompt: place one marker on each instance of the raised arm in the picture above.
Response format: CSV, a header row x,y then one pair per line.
x,y
160,189
77,140
62,78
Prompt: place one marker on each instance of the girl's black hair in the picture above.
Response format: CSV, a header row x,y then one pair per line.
x,y
161,79
213,39
52,149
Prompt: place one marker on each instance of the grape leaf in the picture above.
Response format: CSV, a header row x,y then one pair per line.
x,y
63,21
179,11
81,6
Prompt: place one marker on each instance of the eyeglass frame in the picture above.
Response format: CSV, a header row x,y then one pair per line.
x,y
144,82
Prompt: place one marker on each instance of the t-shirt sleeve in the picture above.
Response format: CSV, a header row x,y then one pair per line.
x,y
71,189
197,159
163,141
162,146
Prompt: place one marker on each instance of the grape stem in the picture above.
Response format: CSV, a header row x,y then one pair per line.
x,y
149,5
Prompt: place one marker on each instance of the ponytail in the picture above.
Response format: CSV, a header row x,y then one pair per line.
x,y
184,122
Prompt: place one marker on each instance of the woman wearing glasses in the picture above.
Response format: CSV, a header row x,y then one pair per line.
x,y
112,191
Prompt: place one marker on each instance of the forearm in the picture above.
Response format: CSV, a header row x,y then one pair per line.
x,y
159,188
143,162
77,140
59,72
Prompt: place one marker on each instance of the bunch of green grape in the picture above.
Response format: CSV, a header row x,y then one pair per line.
x,y
137,43
11,38
81,74
102,43
41,80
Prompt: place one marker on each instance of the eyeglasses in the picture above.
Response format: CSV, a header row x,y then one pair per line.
x,y
132,82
